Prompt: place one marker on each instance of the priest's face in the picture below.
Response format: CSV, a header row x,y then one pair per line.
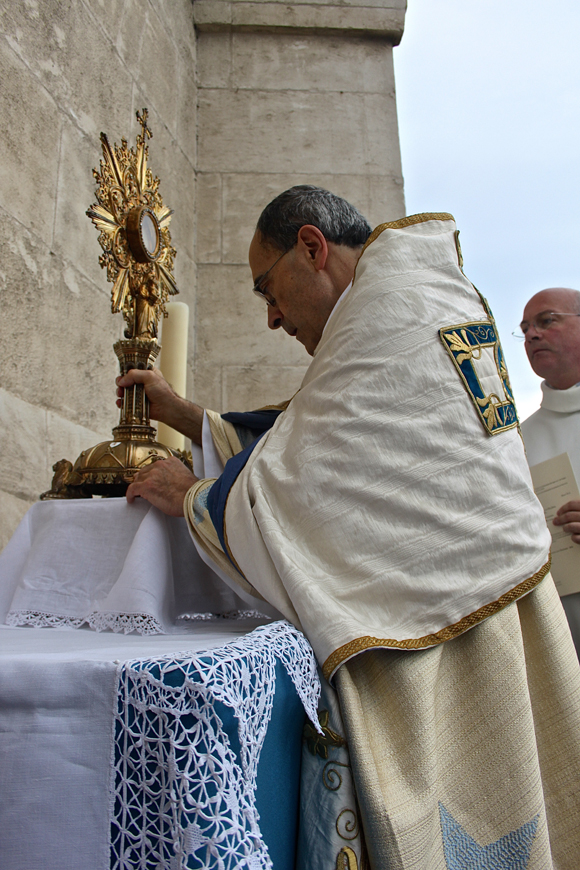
x,y
300,296
554,351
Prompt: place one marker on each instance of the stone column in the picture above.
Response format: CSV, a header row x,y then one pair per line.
x,y
287,94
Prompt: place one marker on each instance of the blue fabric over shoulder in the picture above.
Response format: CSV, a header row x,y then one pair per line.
x,y
251,424
218,494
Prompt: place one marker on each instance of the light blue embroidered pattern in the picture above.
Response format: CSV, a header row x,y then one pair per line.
x,y
462,852
492,396
200,505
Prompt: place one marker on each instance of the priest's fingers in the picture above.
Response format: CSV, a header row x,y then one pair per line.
x,y
572,528
164,485
152,379
568,513
573,505
568,518
164,403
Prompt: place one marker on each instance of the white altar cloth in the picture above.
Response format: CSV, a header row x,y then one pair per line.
x,y
94,729
32,645
110,565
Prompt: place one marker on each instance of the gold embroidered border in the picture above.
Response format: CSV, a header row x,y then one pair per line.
x,y
360,644
408,221
189,498
207,544
226,542
224,436
281,406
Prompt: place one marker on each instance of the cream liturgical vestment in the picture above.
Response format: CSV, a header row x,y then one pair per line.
x,y
397,473
389,512
555,429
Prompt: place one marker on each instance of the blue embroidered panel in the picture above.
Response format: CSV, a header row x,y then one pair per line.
x,y
484,375
462,852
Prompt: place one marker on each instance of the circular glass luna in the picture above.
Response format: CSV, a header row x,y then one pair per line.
x,y
149,233
143,234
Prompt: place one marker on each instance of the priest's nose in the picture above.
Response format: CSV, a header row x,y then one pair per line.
x,y
274,317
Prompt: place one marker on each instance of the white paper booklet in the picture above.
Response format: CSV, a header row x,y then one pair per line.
x,y
555,484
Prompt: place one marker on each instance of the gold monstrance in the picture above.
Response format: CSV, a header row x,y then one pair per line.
x,y
133,229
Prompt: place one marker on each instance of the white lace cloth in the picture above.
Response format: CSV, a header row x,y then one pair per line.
x,y
178,789
109,565
173,794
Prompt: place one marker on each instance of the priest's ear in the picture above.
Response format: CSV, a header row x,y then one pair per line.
x,y
312,243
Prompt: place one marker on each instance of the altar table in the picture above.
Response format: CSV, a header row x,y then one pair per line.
x,y
168,751
170,736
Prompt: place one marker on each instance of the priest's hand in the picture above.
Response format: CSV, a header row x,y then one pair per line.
x,y
569,518
164,403
164,484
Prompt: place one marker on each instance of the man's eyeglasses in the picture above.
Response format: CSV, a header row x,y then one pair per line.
x,y
542,322
261,291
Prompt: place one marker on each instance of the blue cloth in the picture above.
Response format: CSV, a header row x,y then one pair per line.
x,y
254,422
218,494
165,768
511,852
250,426
278,784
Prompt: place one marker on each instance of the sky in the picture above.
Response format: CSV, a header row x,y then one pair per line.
x,y
488,97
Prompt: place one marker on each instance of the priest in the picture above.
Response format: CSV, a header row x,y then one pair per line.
x,y
387,510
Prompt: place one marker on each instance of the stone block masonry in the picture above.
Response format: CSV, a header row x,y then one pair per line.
x,y
287,94
245,99
69,69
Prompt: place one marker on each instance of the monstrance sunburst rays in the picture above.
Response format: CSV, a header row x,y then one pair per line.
x,y
134,234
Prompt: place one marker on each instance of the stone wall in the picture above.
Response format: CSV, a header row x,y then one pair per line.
x,y
253,98
287,94
69,69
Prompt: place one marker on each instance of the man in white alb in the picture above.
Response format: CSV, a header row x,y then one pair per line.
x,y
551,328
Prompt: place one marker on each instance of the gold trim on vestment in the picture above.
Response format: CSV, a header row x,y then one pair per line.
x,y
360,644
281,406
224,436
213,548
408,221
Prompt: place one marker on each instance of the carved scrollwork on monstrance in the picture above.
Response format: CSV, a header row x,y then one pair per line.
x,y
134,234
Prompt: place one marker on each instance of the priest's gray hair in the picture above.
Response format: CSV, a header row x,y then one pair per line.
x,y
338,220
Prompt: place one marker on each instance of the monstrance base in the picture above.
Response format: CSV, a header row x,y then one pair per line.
x,y
108,468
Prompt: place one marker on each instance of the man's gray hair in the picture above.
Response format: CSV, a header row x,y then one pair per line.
x,y
338,220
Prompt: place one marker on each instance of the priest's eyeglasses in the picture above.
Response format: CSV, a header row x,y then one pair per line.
x,y
542,322
258,287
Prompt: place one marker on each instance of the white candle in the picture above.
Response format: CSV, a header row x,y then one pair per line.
x,y
173,363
